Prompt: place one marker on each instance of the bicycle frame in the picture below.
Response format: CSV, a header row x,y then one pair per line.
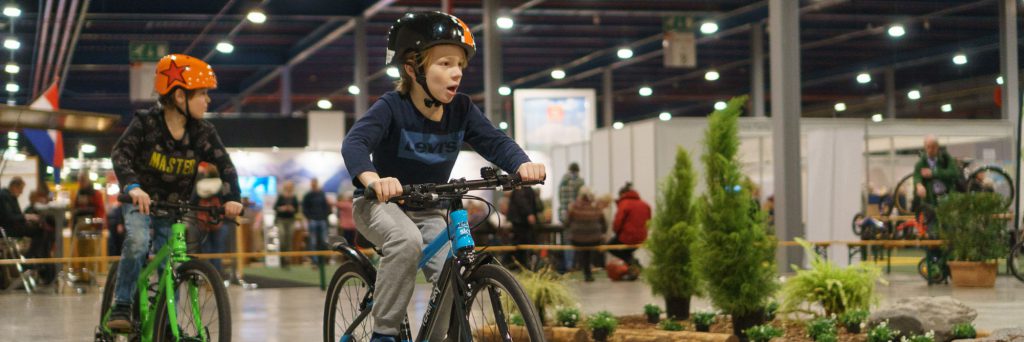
x,y
462,253
174,251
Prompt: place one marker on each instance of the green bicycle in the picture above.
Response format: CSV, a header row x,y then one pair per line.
x,y
188,304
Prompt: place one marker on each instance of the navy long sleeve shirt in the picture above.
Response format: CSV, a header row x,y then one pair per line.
x,y
408,146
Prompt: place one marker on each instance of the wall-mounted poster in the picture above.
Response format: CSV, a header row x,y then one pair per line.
x,y
554,117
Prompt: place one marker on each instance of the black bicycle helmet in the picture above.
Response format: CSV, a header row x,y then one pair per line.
x,y
418,31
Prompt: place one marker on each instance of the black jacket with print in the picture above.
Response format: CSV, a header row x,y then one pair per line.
x,y
165,168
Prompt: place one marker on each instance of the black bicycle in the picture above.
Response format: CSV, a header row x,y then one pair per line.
x,y
488,303
987,178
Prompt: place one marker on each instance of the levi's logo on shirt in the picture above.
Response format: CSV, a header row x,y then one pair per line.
x,y
429,148
171,165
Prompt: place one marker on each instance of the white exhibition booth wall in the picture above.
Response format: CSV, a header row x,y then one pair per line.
x,y
840,158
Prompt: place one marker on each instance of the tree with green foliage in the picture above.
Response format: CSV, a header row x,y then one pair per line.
x,y
736,255
671,272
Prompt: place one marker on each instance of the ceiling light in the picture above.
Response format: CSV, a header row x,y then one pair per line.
x,y
665,116
353,89
13,87
711,75
12,44
914,94
946,108
625,53
324,104
999,80
840,107
960,59
505,23
646,91
877,117
863,78
897,31
720,105
503,125
256,17
618,125
12,11
504,91
709,27
88,148
393,72
558,74
225,47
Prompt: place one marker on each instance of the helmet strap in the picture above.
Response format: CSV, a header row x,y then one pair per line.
x,y
421,78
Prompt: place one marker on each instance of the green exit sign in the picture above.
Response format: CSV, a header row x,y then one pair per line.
x,y
147,51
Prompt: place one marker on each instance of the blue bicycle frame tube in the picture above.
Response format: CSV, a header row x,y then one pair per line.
x,y
458,229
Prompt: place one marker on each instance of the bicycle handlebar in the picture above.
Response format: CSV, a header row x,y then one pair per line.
x,y
491,180
180,207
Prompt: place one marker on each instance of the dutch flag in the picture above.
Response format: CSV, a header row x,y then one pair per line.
x,y
49,143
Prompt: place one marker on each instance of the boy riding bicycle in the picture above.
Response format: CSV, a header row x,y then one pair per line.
x,y
414,134
156,159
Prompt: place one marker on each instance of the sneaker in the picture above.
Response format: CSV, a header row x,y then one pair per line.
x,y
383,338
120,318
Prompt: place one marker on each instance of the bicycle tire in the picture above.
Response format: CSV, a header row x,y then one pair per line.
x,y
1016,261
492,277
1011,189
186,274
348,270
934,275
108,291
903,205
855,224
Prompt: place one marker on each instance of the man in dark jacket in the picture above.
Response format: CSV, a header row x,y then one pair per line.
x,y
316,210
630,223
18,224
524,213
935,174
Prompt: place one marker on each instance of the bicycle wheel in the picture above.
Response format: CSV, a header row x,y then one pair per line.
x,y
992,179
108,291
856,224
347,298
903,196
197,288
931,273
1017,259
498,308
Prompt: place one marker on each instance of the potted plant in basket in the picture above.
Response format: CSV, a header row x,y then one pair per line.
x,y
702,321
975,236
852,320
653,313
602,325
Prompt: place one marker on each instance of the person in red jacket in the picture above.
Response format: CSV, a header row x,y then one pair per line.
x,y
630,223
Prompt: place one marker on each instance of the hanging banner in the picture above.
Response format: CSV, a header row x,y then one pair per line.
x,y
680,43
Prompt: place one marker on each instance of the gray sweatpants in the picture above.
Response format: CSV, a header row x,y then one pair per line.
x,y
401,237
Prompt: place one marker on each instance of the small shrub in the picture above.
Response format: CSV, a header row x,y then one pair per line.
x,y
763,333
771,309
568,317
652,309
670,325
821,326
602,320
837,289
964,330
546,289
929,337
827,338
704,318
882,333
853,317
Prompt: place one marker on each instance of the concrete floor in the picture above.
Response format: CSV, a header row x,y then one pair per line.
x,y
295,314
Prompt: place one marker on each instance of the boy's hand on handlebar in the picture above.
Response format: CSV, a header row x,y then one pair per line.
x,y
531,172
232,209
140,199
386,188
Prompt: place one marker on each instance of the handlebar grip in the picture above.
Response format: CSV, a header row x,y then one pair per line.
x,y
370,194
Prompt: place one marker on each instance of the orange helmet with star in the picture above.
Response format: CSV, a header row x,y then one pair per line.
x,y
187,72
